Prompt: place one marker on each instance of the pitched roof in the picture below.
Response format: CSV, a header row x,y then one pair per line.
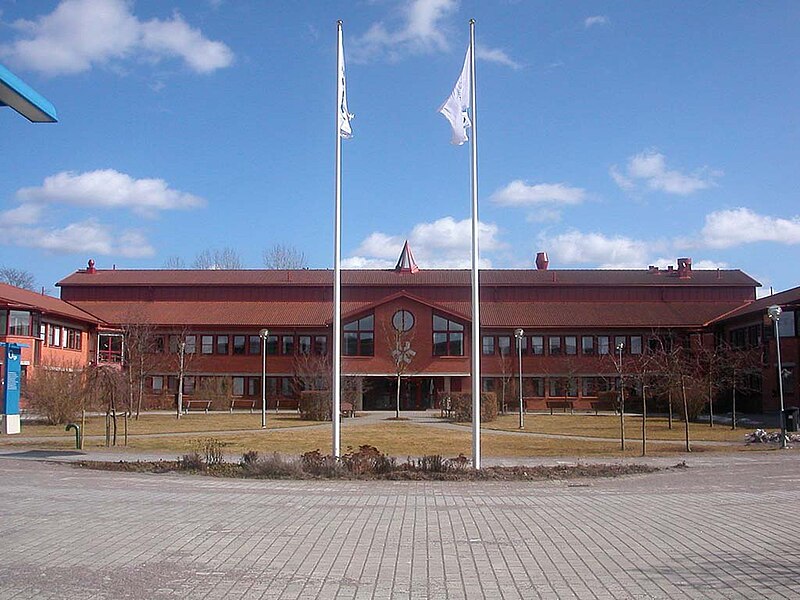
x,y
15,297
390,277
787,297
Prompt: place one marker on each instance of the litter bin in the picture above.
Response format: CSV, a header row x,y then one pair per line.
x,y
791,417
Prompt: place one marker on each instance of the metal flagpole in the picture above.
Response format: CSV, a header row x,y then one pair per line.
x,y
476,324
337,271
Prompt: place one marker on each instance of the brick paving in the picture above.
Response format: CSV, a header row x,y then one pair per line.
x,y
726,527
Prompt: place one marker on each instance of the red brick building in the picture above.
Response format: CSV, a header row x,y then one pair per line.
x,y
573,320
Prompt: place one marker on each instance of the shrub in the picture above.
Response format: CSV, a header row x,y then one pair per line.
x,y
191,462
210,449
315,405
273,466
461,405
56,392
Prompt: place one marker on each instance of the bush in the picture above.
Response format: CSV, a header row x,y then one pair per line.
x,y
461,406
315,405
274,466
57,393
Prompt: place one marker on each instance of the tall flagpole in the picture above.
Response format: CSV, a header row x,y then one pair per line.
x,y
476,323
337,249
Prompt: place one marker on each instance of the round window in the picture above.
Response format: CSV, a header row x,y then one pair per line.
x,y
403,320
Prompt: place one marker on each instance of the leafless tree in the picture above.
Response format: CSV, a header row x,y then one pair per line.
x,y
57,392
139,356
402,354
174,262
18,277
218,258
284,256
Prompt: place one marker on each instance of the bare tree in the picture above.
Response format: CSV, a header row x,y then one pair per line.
x,y
402,356
139,349
284,256
218,258
174,262
18,277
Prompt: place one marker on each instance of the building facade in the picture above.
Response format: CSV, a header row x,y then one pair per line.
x,y
581,328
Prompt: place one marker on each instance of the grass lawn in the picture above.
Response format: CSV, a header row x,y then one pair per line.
x,y
160,423
607,426
391,437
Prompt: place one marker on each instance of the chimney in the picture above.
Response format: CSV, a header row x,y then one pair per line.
x,y
684,268
91,270
652,269
542,261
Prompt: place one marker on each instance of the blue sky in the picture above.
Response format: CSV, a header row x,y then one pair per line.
x,y
610,134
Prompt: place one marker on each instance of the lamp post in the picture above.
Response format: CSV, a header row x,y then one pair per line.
x,y
774,313
181,358
263,334
620,348
518,333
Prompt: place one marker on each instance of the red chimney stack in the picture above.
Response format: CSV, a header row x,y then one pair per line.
x,y
542,261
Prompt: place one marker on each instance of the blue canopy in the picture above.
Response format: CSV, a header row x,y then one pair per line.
x,y
24,99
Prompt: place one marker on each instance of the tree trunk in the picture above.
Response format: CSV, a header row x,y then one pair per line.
x,y
669,400
622,415
710,402
733,404
397,410
685,414
644,420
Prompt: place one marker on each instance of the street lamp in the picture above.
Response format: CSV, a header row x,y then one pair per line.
x,y
181,366
518,333
620,348
774,313
263,334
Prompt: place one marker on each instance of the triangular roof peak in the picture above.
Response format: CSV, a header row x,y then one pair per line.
x,y
406,262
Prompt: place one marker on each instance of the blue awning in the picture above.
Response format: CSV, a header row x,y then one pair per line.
x,y
24,99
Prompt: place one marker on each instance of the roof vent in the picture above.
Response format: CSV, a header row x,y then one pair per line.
x,y
91,270
406,262
542,262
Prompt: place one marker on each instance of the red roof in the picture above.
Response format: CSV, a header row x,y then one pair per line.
x,y
432,277
789,297
14,297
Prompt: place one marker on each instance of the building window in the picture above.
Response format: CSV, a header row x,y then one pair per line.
x,y
158,384
237,388
3,322
253,386
359,337
533,387
602,344
504,345
487,345
555,387
287,345
191,344
620,339
488,384
448,337
537,345
172,383
587,345
239,344
786,325
554,345
158,344
403,320
321,345
19,322
636,344
207,344
304,344
272,345
523,342
570,344
72,339
253,345
109,348
188,385
222,344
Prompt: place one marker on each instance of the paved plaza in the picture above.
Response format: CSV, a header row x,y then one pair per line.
x,y
725,527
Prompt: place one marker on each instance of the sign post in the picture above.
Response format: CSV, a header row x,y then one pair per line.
x,y
11,386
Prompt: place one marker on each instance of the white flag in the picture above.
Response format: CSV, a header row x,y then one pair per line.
x,y
456,106
341,93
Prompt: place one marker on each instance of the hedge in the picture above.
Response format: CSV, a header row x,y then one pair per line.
x,y
461,406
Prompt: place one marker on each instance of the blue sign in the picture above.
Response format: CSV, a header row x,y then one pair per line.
x,y
12,356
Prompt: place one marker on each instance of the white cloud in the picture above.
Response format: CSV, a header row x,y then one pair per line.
x,y
519,193
496,55
726,228
26,214
81,34
650,169
108,188
420,31
86,237
575,247
595,20
444,243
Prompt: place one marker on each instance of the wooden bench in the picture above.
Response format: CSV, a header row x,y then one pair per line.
x,y
249,403
203,405
562,404
347,409
598,405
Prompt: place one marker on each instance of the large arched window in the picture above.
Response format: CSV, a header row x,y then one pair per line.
x,y
448,337
359,337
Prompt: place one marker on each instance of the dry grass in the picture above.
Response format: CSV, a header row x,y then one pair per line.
x,y
160,423
607,426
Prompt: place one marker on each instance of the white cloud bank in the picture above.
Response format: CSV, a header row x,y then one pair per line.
x,y
649,168
727,228
81,34
594,21
519,193
441,244
85,237
108,188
